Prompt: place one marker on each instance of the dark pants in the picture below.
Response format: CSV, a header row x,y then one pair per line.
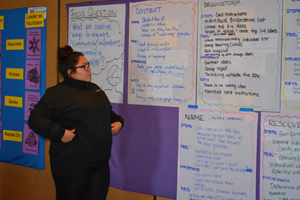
x,y
80,183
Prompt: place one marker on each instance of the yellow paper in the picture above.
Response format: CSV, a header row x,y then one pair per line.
x,y
34,20
13,101
12,135
1,22
15,73
17,44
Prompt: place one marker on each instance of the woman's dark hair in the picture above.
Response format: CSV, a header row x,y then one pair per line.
x,y
67,59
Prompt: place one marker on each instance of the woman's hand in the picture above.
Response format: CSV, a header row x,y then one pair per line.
x,y
115,128
68,136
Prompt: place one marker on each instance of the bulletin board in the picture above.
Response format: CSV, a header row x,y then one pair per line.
x,y
23,82
209,93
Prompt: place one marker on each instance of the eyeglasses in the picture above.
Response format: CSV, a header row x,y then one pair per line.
x,y
85,66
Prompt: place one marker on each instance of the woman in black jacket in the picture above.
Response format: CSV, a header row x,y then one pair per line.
x,y
77,117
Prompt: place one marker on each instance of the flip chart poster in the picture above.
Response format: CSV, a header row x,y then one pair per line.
x,y
216,155
98,32
280,157
162,53
291,59
239,47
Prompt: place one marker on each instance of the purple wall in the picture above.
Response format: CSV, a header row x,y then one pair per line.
x,y
144,153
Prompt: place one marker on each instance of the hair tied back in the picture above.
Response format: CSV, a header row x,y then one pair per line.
x,y
64,52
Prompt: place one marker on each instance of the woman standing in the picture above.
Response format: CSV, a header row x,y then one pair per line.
x,y
77,117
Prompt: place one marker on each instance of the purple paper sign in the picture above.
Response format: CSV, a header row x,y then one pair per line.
x,y
33,49
32,75
31,99
0,133
0,74
30,141
0,105
0,44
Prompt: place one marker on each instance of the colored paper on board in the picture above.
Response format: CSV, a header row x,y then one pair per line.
x,y
33,49
1,22
12,135
13,101
31,99
15,44
0,44
0,134
30,141
34,20
14,73
0,68
32,74
0,103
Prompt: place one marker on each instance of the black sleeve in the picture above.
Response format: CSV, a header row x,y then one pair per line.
x,y
116,118
41,118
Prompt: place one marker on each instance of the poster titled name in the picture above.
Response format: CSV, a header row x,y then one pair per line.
x,y
217,155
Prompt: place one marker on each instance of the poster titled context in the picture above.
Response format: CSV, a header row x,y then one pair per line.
x,y
291,58
162,53
98,32
216,155
280,157
240,49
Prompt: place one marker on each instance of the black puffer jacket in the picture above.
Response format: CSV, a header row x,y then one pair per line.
x,y
78,105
